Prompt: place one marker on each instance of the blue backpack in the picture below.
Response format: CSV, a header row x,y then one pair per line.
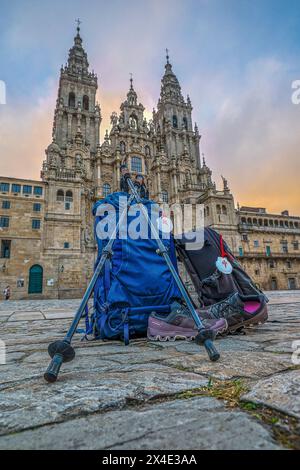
x,y
134,282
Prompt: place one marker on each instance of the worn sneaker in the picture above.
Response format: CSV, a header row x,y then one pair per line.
x,y
239,311
180,325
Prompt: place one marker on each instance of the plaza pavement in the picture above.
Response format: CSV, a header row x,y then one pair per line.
x,y
149,395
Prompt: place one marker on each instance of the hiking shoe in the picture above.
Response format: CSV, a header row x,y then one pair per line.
x,y
239,311
179,324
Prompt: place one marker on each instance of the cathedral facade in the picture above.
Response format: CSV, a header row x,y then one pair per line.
x,y
47,243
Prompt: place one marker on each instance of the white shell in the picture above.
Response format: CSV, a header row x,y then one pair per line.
x,y
164,224
223,265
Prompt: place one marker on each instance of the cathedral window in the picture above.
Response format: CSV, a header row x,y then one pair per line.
x,y
136,164
224,210
147,151
175,121
165,196
69,196
185,123
72,100
106,189
85,103
60,195
218,209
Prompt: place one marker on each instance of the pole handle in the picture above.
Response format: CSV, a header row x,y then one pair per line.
x,y
211,350
53,368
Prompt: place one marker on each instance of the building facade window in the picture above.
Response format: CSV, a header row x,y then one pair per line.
x,y
224,210
106,189
288,264
296,245
72,100
85,103
67,206
27,189
5,204
36,207
292,283
66,245
4,222
272,264
245,237
38,190
69,196
273,283
136,164
241,251
175,121
4,187
268,250
284,247
256,243
165,196
16,188
60,195
5,248
36,224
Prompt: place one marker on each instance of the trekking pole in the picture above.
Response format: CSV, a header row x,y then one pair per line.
x,y
205,336
61,351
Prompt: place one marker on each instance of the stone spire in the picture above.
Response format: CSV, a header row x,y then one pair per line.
x,y
78,64
170,87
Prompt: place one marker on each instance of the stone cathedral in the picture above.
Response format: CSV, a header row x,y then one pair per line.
x,y
51,252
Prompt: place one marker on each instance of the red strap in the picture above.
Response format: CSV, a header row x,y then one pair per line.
x,y
223,252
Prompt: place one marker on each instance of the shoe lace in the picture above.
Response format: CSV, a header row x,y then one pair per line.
x,y
222,309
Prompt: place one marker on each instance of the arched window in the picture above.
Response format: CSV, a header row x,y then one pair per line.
x,y
147,151
60,195
207,211
165,196
218,209
122,147
106,189
69,196
175,121
185,123
224,210
85,103
71,100
136,164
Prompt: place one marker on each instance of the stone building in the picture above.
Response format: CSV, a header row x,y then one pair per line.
x,y
46,227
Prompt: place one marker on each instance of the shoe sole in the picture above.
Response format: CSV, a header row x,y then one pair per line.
x,y
258,319
178,336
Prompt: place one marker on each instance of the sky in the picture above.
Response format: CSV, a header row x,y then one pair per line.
x,y
236,59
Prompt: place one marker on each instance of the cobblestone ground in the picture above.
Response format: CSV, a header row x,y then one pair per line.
x,y
149,395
